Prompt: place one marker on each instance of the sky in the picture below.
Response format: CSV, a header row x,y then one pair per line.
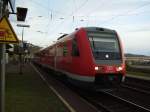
x,y
49,19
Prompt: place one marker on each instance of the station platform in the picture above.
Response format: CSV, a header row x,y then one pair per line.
x,y
28,93
31,92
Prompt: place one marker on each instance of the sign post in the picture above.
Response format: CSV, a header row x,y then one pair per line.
x,y
7,35
2,79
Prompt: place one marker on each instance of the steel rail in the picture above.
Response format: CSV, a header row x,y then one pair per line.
x,y
135,89
128,102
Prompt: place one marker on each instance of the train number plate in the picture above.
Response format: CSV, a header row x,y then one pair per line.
x,y
110,69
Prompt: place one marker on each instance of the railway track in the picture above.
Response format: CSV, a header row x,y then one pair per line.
x,y
136,89
127,105
124,99
139,84
105,101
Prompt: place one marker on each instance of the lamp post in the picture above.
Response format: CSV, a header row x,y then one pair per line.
x,y
21,47
23,26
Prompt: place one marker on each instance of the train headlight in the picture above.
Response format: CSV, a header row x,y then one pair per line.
x,y
119,68
96,68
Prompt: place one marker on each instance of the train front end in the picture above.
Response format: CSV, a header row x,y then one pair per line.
x,y
108,56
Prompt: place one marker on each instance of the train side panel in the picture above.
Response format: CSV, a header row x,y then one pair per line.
x,y
78,61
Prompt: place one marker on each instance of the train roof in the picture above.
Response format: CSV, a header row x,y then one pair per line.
x,y
95,29
90,29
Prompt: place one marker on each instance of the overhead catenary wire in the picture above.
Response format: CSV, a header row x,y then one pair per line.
x,y
47,8
111,19
79,7
125,13
70,15
51,13
73,17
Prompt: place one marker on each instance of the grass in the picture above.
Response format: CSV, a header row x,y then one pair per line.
x,y
141,72
138,74
28,93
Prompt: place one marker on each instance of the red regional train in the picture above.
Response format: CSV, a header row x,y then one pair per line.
x,y
88,56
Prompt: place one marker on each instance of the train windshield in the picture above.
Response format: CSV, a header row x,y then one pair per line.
x,y
105,46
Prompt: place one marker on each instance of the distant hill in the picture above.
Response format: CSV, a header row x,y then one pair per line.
x,y
134,55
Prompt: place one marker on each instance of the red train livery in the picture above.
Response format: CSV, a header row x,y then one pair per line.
x,y
89,55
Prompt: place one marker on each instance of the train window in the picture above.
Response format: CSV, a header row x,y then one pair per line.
x,y
104,46
65,50
59,50
75,49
